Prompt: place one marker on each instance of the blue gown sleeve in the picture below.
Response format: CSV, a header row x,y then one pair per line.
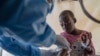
x,y
27,20
16,47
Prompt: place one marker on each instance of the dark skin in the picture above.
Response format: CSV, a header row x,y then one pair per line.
x,y
67,22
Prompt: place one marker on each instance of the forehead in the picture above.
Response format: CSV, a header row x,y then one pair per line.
x,y
65,18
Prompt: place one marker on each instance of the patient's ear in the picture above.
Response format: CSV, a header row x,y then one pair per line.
x,y
75,20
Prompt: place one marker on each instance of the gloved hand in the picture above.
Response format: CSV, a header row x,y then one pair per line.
x,y
62,42
63,52
50,52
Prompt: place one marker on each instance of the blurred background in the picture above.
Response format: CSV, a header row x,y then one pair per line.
x,y
83,22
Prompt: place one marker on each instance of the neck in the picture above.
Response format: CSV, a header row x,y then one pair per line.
x,y
75,32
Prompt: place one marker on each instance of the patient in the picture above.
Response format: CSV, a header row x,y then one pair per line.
x,y
79,40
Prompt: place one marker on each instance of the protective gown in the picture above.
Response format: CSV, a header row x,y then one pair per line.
x,y
23,26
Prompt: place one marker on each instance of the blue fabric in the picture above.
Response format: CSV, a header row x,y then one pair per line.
x,y
17,47
26,20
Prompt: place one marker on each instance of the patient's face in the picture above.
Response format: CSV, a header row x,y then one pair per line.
x,y
67,23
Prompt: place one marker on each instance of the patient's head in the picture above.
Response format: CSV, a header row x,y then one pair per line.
x,y
67,21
